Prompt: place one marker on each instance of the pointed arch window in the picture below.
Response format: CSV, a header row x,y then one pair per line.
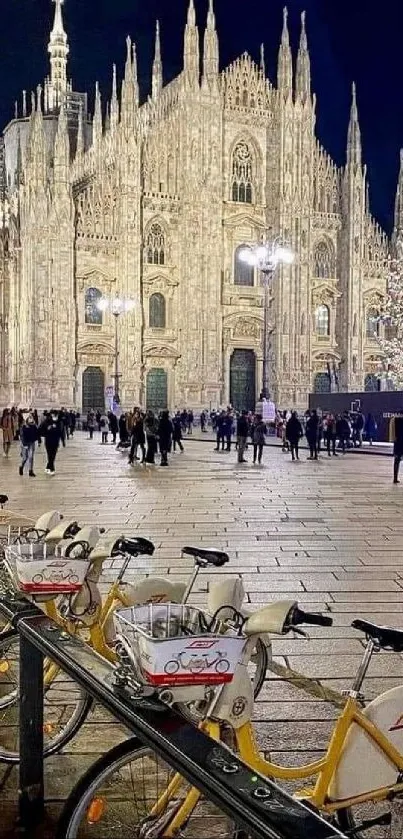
x,y
324,265
157,311
93,314
244,273
242,174
155,245
322,320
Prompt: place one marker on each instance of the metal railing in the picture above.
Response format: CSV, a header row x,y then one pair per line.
x,y
255,803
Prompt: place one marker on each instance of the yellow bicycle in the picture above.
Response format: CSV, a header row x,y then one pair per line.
x,y
358,783
87,615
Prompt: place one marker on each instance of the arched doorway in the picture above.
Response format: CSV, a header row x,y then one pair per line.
x,y
157,389
321,383
243,380
93,389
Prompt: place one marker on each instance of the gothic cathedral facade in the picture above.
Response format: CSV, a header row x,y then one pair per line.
x,y
153,202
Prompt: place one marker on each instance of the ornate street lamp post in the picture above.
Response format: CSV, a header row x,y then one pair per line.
x,y
266,257
117,306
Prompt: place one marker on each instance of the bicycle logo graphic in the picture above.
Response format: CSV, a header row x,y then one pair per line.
x,y
48,575
196,663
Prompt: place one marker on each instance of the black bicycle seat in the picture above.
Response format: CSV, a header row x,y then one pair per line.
x,y
212,556
3,499
384,636
136,546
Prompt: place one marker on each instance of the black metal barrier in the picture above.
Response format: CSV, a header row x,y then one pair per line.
x,y
255,803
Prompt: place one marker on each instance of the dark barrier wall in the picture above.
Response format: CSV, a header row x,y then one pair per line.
x,y
382,405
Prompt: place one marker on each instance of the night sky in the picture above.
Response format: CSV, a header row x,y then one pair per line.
x,y
349,40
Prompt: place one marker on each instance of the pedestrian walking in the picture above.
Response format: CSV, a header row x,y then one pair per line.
x,y
203,421
343,432
7,427
28,438
397,429
311,431
165,430
104,427
190,422
370,429
293,433
242,431
330,435
113,425
138,437
227,428
259,431
177,432
51,431
220,431
151,431
91,423
123,432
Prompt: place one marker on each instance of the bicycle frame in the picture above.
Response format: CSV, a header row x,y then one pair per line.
x,y
324,769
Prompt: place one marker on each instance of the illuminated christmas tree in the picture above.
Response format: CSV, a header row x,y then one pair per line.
x,y
391,343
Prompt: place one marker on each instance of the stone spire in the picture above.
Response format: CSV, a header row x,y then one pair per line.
x,y
398,231
262,61
354,154
114,110
58,50
37,156
211,48
130,88
157,64
191,53
97,122
284,72
80,133
303,77
62,148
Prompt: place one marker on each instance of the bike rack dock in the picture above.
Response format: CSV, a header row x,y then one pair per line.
x,y
256,804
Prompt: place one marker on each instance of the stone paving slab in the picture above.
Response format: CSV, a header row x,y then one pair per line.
x,y
329,535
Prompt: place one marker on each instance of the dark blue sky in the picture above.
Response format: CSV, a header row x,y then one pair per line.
x,y
349,39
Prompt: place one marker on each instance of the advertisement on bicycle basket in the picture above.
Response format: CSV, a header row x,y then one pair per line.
x,y
190,660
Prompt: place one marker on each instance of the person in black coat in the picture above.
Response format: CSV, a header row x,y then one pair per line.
x,y
397,447
113,425
311,431
242,431
165,431
177,431
343,432
293,433
138,438
51,431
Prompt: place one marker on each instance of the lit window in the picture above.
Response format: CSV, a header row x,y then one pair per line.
x,y
322,320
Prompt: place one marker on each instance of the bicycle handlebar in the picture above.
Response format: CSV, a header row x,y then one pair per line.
x,y
298,616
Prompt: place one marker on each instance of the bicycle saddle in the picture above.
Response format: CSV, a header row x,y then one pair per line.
x,y
136,546
212,556
3,499
385,636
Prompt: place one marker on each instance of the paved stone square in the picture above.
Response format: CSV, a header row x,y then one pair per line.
x,y
329,534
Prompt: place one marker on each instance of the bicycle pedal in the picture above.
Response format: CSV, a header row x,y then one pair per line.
x,y
153,826
380,821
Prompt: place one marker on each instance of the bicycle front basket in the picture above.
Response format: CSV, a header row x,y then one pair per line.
x,y
36,571
173,647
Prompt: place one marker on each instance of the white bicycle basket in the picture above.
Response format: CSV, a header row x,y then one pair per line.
x,y
172,646
34,570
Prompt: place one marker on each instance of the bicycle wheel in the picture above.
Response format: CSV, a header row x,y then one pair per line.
x,y
115,798
352,820
66,706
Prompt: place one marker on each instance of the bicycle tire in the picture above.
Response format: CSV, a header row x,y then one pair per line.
x,y
84,795
9,704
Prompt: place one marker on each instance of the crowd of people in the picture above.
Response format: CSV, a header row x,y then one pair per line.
x,y
29,430
143,433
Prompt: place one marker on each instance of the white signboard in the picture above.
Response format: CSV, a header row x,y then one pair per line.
x,y
268,410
